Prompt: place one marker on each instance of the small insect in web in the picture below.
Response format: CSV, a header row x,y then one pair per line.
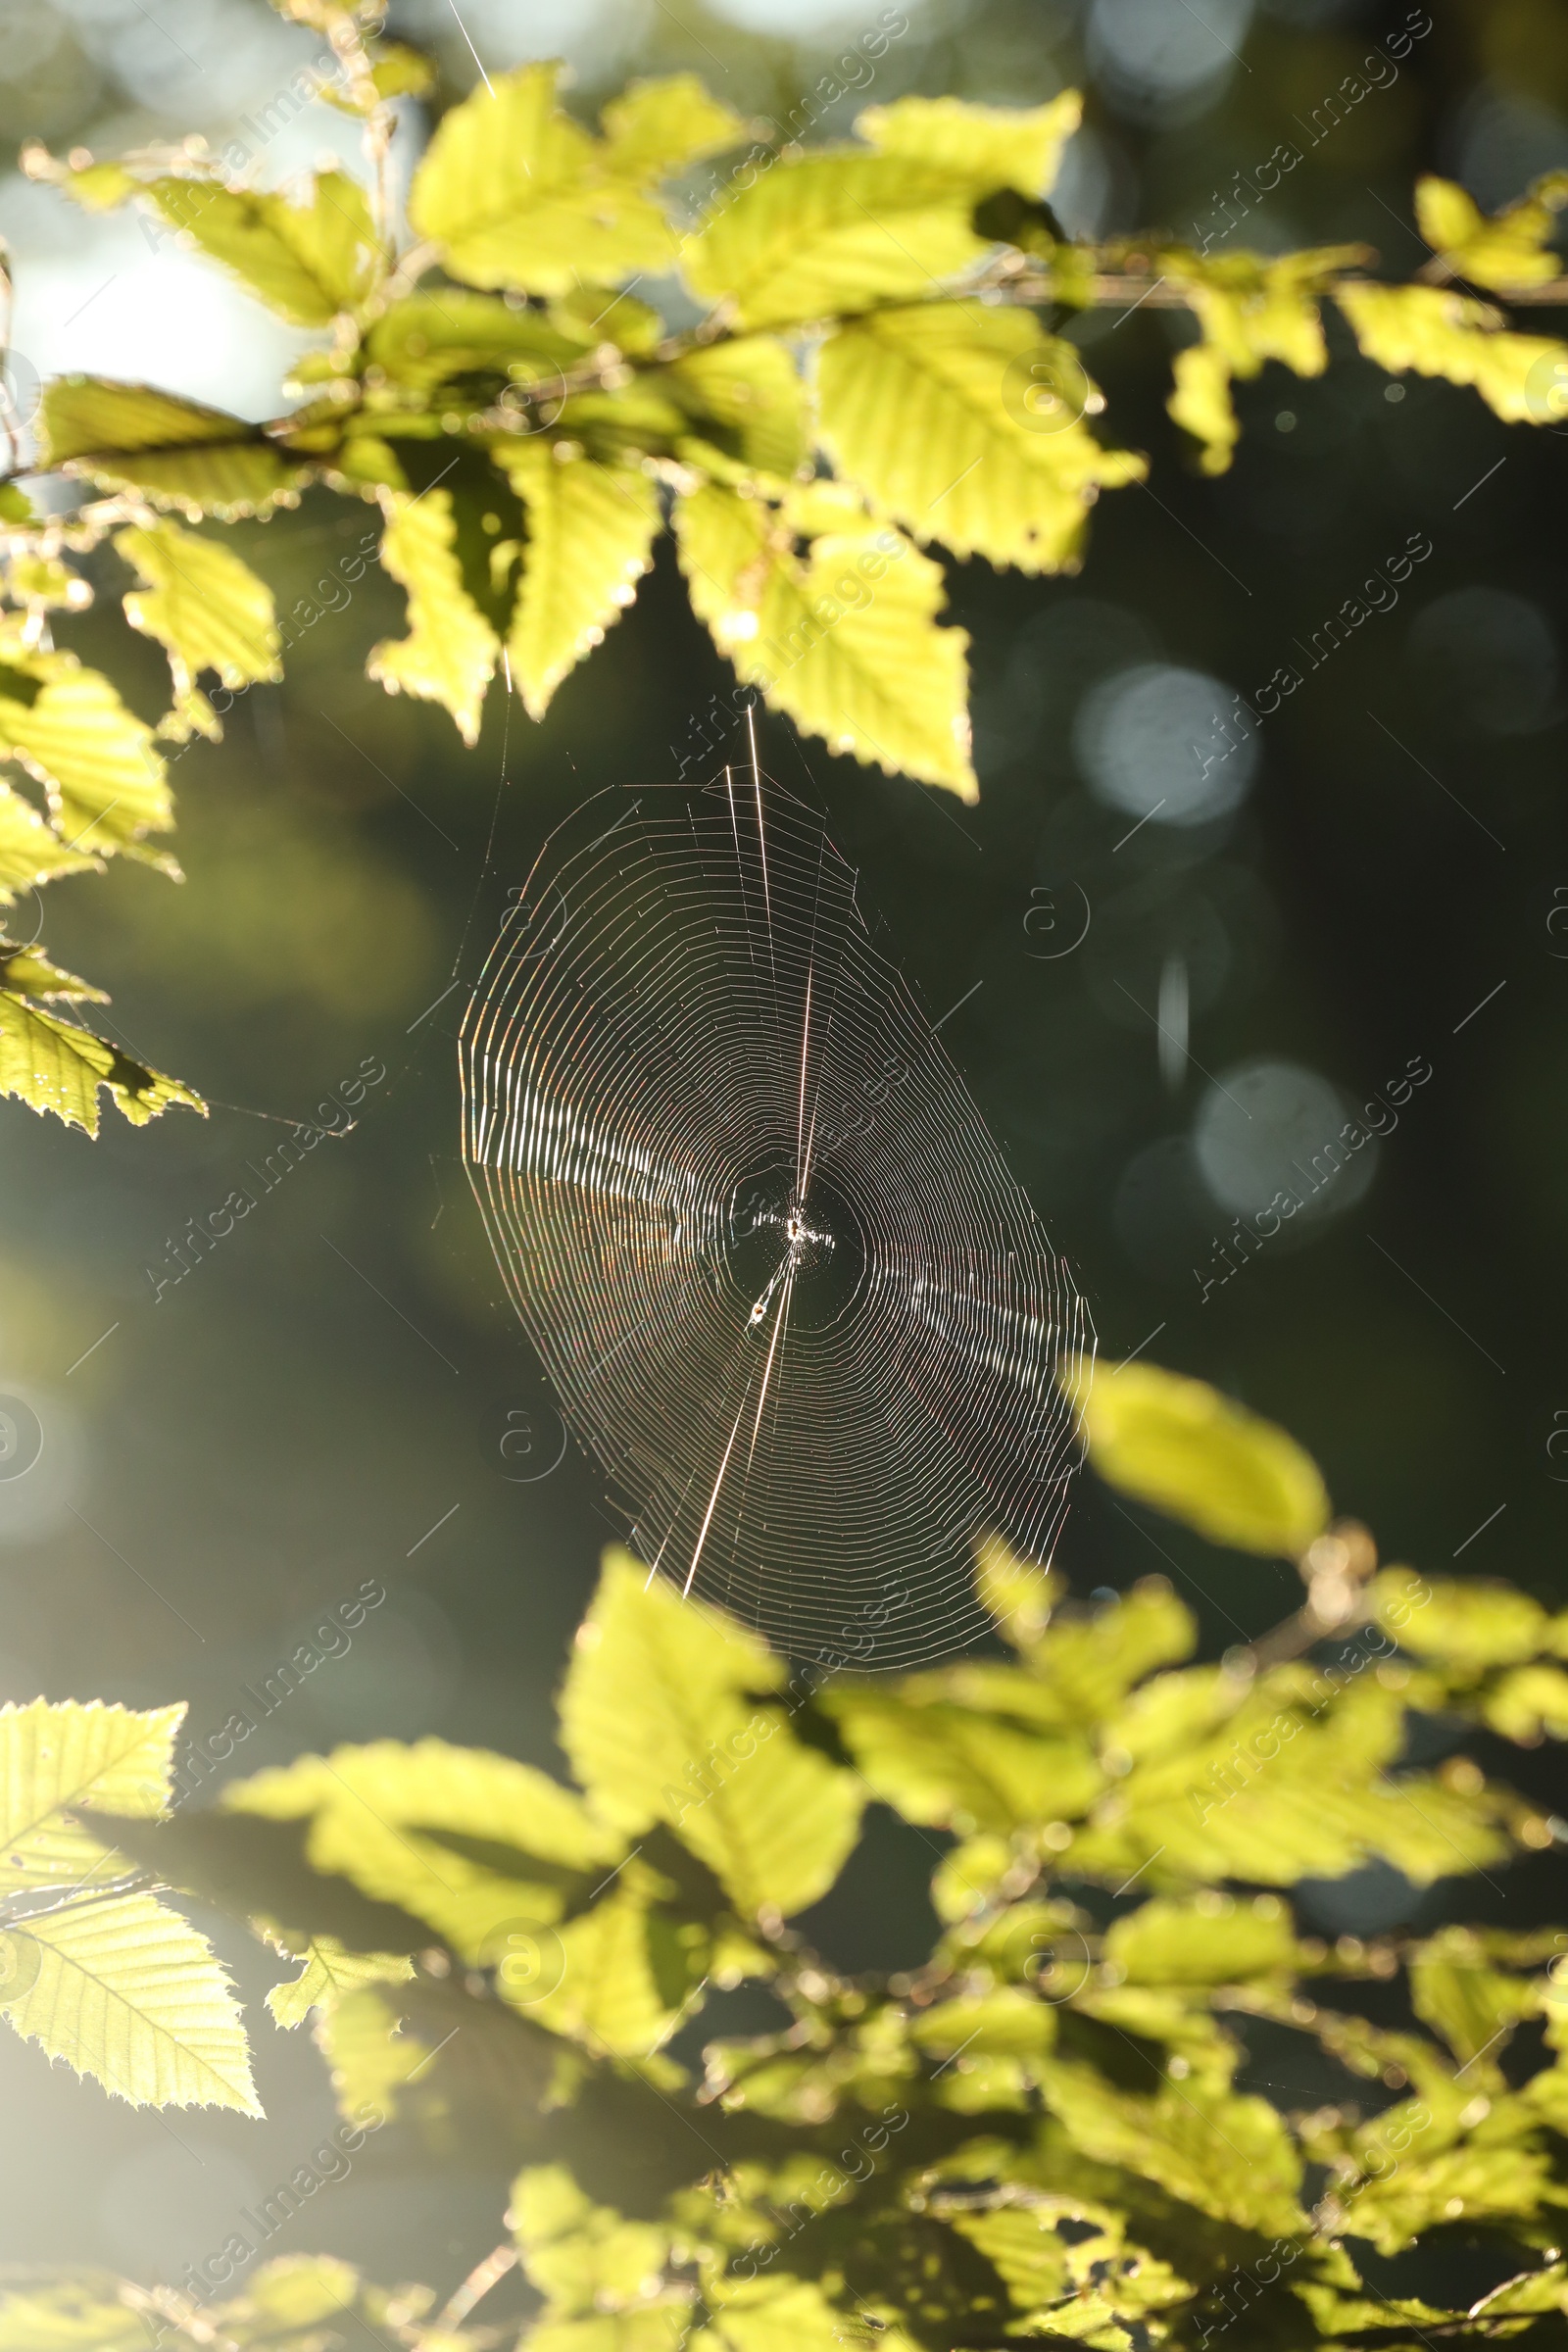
x,y
785,1288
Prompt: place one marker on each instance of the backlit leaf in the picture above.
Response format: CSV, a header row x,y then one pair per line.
x,y
306,261
107,786
989,146
60,1759
1183,1448
656,127
515,194
590,530
749,394
1227,2153
327,1976
1208,1939
57,1067
844,640
450,651
938,409
184,456
128,1991
658,1723
204,605
1508,250
1436,333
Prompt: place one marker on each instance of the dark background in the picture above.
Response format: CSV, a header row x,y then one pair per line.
x,y
333,1381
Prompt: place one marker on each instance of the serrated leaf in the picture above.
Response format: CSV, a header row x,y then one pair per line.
x,y
515,194
656,127
1209,1939
582,2256
128,1992
306,261
929,408
1225,2152
428,338
369,2052
206,609
1457,1621
106,784
1472,2184
1473,2006
57,1068
450,652
29,972
385,1817
833,231
749,394
658,1719
590,532
844,640
624,1971
1508,250
1181,1446
989,146
31,851
1249,310
1436,333
328,1974
184,456
951,1766
69,1757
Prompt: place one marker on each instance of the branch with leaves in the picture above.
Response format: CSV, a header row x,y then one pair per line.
x,y
1055,2126
880,366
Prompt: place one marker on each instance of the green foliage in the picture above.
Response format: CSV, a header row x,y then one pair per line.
x,y
1055,2126
888,308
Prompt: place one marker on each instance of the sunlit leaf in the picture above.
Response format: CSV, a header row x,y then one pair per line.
x,y
1183,1448
1508,250
450,652
1227,2153
1435,331
989,146
204,605
107,786
845,640
31,851
590,532
1208,1939
126,1991
938,409
69,1757
57,1068
306,260
748,394
327,1976
656,127
195,460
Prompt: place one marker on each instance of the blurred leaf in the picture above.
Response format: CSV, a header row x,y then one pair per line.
x,y
989,146
1016,1593
127,1991
29,972
748,394
426,339
1474,2007
55,1067
204,607
1201,403
328,1974
950,1766
69,729
182,454
656,127
1527,1704
1471,2184
1436,333
931,409
590,532
257,1867
844,641
832,231
1209,1939
1508,250
1181,1446
1455,1621
515,194
658,1719
582,2256
306,261
1228,2154
450,652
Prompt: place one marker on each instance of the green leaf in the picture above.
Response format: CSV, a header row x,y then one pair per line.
x,y
62,1759
29,972
748,394
659,126
107,786
1249,309
1436,333
306,261
1455,1621
590,532
833,231
1470,2184
1181,1446
1529,1704
1508,250
31,851
204,607
582,2256
450,652
515,194
128,1991
1210,1938
427,339
658,1719
987,146
844,640
1227,2153
57,1068
953,1766
1473,2006
330,1973
184,456
1202,403
930,409
385,1816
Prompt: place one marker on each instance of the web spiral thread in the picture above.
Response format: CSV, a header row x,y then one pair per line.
x,y
785,1288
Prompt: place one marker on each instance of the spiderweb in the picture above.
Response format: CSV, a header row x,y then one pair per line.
x,y
782,1283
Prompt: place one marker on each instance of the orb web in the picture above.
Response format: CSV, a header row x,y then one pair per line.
x,y
782,1283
